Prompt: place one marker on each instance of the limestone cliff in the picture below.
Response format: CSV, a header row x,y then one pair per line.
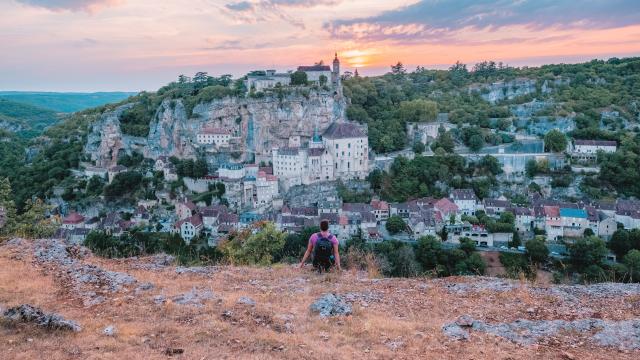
x,y
257,125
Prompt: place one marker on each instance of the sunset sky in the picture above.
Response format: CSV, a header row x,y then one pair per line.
x,y
104,45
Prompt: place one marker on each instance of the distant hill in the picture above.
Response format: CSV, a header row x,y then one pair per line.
x,y
65,102
24,119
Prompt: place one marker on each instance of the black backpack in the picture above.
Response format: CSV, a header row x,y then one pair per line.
x,y
323,250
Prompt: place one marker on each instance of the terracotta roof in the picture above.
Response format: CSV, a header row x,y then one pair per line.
x,y
380,205
552,211
343,131
73,218
446,206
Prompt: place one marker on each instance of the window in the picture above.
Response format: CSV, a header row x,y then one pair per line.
x,y
349,145
336,146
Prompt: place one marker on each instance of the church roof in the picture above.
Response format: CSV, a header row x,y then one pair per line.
x,y
314,68
343,131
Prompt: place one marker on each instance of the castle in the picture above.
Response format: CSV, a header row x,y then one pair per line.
x,y
260,80
340,153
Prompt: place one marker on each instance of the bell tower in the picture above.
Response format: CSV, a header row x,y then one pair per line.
x,y
335,74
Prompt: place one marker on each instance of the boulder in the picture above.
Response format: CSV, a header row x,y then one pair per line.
x,y
331,305
26,313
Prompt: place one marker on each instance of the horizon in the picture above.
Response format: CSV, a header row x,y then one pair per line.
x,y
89,47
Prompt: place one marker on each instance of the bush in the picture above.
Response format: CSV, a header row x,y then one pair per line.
x,y
259,248
395,224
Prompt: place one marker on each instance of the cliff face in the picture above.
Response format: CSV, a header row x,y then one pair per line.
x,y
257,125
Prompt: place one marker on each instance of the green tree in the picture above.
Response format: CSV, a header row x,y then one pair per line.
x,y
632,261
428,252
299,78
620,243
555,141
259,247
588,232
418,147
476,142
467,245
444,141
586,252
418,110
395,224
322,80
537,251
9,207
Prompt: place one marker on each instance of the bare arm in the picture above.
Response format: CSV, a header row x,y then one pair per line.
x,y
336,254
306,253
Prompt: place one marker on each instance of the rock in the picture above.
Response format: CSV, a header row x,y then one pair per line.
x,y
465,321
30,314
455,331
173,351
243,300
194,297
109,330
331,305
145,286
159,299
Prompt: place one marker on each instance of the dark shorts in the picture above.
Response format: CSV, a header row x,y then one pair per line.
x,y
323,265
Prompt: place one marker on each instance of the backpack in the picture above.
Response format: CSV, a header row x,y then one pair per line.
x,y
323,250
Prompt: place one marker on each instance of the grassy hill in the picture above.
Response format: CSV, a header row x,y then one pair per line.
x,y
24,119
65,102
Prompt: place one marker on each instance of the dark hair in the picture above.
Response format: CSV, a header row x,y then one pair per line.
x,y
324,225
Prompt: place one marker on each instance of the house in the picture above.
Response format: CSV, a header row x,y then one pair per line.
x,y
231,171
524,219
447,209
214,136
266,188
606,226
466,200
185,209
496,206
91,171
587,150
426,222
348,146
260,80
553,223
477,233
170,173
72,221
574,221
190,227
115,170
329,206
78,235
110,223
160,163
380,210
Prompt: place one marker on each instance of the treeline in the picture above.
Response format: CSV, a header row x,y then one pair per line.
x,y
434,176
386,103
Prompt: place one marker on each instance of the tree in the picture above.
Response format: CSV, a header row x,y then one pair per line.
x,y
444,141
620,243
490,164
586,252
299,78
259,245
632,261
322,80
418,147
418,110
395,224
33,222
9,207
467,245
398,69
588,232
537,251
555,141
476,142
428,252
404,262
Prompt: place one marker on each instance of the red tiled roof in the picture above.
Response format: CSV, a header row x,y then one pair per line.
x,y
73,218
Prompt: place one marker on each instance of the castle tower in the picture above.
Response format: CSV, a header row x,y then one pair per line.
x,y
335,74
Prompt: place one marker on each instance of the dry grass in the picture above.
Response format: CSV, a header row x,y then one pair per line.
x,y
405,324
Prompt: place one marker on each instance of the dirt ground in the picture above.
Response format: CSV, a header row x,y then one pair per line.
x,y
392,318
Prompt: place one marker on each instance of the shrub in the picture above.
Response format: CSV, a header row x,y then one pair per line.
x,y
259,248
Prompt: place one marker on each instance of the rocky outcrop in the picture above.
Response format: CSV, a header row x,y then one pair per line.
x,y
26,313
509,90
257,125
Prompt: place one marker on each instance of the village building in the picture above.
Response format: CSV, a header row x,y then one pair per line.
x,y
190,227
72,221
587,150
466,200
214,136
261,80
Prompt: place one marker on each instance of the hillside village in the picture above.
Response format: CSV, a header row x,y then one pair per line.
x,y
212,179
